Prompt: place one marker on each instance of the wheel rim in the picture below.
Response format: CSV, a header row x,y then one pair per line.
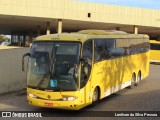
x,y
133,80
138,78
95,95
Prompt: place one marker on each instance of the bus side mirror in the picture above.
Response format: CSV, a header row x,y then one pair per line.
x,y
27,54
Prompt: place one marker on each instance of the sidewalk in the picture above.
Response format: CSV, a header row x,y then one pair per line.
x,y
8,47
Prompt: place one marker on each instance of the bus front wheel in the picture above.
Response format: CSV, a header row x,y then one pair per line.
x,y
95,97
133,81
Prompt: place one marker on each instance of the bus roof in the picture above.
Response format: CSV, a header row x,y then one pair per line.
x,y
83,35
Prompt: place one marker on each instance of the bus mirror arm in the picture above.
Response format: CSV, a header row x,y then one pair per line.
x,y
82,59
27,54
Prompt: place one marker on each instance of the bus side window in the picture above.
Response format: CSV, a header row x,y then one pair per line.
x,y
99,50
87,65
133,49
109,47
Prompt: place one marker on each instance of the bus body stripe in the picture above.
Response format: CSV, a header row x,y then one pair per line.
x,y
117,88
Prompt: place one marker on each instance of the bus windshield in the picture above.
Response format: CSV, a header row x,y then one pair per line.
x,y
54,66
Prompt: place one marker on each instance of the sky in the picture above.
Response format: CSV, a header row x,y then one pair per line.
x,y
152,4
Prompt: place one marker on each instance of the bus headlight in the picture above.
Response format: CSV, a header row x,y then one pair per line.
x,y
32,95
69,98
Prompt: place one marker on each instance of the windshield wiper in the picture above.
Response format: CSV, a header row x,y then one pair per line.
x,y
41,81
53,61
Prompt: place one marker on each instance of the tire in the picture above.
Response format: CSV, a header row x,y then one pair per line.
x,y
138,79
95,97
133,80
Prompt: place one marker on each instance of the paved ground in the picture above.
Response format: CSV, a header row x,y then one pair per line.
x,y
145,97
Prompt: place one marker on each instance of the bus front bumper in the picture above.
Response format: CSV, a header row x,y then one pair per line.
x,y
68,105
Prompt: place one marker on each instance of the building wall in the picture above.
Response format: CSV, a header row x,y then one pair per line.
x,y
72,9
11,76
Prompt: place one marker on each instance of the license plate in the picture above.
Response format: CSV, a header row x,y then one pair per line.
x,y
48,104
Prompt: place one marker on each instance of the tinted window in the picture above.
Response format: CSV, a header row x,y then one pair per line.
x,y
87,64
138,46
145,47
115,47
87,50
155,46
109,47
118,52
105,48
133,49
99,49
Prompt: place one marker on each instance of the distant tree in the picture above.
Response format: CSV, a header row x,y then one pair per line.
x,y
7,39
2,38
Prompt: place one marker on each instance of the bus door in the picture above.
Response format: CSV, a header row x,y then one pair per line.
x,y
98,73
110,66
86,67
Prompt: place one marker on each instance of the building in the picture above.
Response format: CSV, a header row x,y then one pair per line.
x,y
26,19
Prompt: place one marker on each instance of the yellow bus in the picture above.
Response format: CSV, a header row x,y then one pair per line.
x,y
154,51
73,70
